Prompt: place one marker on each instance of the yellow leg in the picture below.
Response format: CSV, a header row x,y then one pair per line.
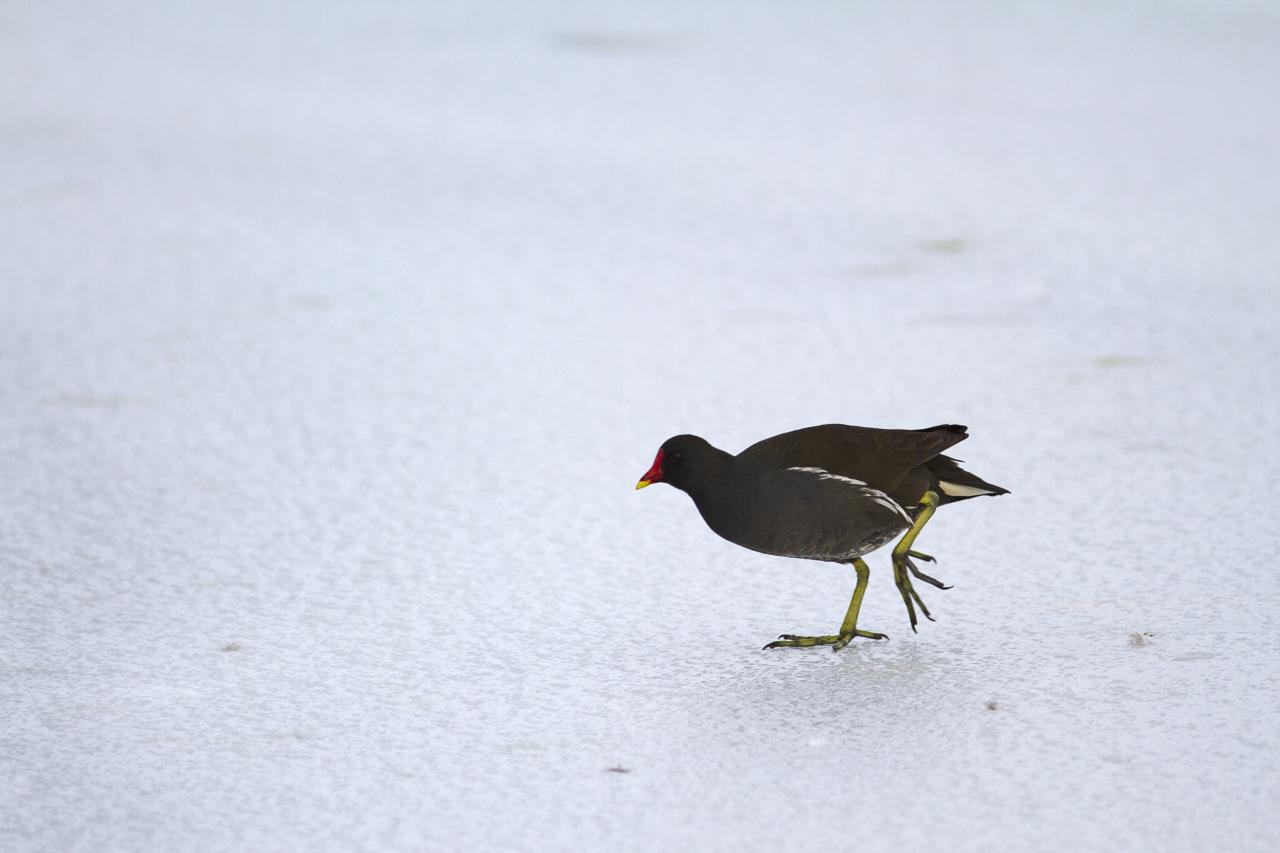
x,y
902,564
848,629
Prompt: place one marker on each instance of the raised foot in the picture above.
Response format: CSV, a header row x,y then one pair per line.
x,y
835,641
915,570
908,592
902,565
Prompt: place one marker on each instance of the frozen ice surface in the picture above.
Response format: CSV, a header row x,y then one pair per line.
x,y
334,338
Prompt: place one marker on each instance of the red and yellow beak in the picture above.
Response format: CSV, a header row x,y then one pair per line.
x,y
654,474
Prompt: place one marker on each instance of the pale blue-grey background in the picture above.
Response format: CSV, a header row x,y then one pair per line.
x,y
333,338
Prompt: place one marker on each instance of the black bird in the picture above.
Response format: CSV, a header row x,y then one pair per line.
x,y
832,493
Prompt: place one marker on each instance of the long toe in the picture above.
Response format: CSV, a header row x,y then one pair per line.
x,y
856,632
796,641
915,570
837,642
920,602
903,583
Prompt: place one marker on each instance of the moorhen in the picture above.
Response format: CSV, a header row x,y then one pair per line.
x,y
831,492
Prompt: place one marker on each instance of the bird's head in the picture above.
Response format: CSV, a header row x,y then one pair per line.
x,y
683,461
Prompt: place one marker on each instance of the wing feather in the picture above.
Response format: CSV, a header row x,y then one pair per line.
x,y
878,457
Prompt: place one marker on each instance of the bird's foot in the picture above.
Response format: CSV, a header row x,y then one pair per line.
x,y
915,570
835,641
903,568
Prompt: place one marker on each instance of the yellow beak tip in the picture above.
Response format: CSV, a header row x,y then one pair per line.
x,y
640,485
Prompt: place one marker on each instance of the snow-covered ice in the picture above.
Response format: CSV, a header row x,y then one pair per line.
x,y
333,338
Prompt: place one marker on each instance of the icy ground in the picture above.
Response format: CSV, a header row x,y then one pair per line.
x,y
335,337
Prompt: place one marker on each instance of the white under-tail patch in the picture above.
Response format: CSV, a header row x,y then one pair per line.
x,y
875,494
955,490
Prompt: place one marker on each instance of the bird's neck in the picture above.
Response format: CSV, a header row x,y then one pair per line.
x,y
713,472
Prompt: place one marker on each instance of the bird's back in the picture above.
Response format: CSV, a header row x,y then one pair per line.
x,y
880,458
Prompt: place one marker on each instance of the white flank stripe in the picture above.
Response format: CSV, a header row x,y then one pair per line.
x,y
875,494
955,490
827,475
889,503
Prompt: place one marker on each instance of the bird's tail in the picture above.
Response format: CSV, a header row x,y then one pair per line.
x,y
956,484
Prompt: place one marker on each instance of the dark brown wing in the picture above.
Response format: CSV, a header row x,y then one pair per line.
x,y
878,457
